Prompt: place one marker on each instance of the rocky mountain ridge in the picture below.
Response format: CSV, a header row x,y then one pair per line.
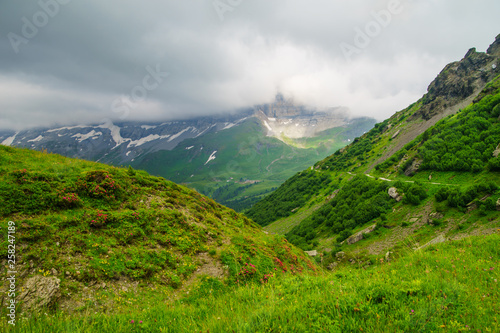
x,y
460,80
286,119
122,143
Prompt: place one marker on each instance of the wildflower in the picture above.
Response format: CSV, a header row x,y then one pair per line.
x,y
132,321
140,321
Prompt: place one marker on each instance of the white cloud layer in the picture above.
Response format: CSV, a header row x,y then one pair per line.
x,y
68,62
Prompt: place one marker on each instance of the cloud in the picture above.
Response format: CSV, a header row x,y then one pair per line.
x,y
89,60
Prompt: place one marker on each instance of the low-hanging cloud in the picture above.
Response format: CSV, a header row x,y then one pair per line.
x,y
91,60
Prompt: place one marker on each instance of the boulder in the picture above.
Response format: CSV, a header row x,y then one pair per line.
x,y
497,151
396,134
332,266
434,216
413,168
312,253
359,236
340,255
40,291
393,193
388,256
437,240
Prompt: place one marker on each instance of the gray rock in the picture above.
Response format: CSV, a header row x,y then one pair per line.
x,y
40,291
497,151
388,256
340,255
332,266
434,216
413,168
312,253
396,134
437,240
471,206
359,236
393,193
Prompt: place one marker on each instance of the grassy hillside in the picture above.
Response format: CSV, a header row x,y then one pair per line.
x,y
449,287
246,163
103,230
450,170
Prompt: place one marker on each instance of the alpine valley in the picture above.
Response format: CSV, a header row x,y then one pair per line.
x,y
398,231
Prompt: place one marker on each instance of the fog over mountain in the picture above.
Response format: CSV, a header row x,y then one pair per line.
x,y
69,62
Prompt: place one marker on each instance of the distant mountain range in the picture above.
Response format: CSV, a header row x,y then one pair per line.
x,y
234,158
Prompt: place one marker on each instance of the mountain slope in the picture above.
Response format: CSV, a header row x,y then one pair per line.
x,y
93,230
457,154
235,159
239,165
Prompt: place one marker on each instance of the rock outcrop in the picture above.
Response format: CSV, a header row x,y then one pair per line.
x,y
497,151
413,168
393,193
433,217
312,253
460,79
40,291
340,255
359,236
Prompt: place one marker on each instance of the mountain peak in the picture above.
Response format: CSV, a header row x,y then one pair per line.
x,y
460,80
494,48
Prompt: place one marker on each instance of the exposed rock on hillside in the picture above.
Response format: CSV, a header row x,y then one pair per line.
x,y
359,236
312,253
413,168
461,79
40,291
286,118
393,193
497,151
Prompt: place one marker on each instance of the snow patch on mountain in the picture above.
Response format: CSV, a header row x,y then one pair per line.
x,y
188,148
211,158
9,140
38,138
175,136
205,130
92,134
267,126
146,139
115,133
146,127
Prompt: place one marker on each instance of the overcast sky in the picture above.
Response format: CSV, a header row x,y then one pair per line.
x,y
74,61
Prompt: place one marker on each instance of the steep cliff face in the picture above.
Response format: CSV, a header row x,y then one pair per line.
x,y
460,80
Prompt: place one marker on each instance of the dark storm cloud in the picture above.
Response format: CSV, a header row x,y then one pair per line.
x,y
71,61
